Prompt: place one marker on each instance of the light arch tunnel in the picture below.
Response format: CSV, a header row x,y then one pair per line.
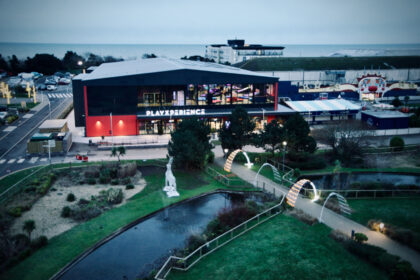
x,y
231,157
293,193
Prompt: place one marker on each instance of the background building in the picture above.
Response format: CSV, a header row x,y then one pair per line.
x,y
237,51
149,96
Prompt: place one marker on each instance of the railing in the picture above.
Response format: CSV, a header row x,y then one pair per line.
x,y
356,194
391,150
129,142
187,262
224,179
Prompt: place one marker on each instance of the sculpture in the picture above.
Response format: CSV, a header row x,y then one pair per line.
x,y
170,182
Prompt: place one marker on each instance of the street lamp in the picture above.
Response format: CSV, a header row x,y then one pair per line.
x,y
284,144
80,63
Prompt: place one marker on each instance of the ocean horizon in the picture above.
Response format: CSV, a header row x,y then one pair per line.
x,y
135,51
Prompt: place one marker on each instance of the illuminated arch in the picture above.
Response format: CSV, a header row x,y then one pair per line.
x,y
228,164
342,202
293,193
275,172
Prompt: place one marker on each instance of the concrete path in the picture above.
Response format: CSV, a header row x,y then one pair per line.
x,y
330,218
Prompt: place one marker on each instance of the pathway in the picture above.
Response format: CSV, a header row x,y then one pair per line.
x,y
330,218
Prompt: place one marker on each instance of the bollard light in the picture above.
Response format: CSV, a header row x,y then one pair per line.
x,y
381,226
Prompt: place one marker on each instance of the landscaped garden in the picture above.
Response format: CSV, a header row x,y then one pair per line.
x,y
63,248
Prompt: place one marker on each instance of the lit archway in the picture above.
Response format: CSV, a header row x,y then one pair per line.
x,y
228,164
293,193
275,172
342,203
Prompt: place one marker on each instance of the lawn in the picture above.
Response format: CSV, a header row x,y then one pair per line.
x,y
64,248
402,212
282,248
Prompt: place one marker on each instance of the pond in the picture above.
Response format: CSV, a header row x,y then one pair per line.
x,y
146,245
342,181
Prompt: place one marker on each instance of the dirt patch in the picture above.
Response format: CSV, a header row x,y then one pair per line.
x,y
46,212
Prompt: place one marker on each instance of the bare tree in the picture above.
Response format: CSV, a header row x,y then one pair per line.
x,y
346,139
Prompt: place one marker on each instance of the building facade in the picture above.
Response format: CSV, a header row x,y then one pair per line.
x,y
236,51
150,96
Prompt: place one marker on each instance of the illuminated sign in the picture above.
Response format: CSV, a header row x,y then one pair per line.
x,y
180,112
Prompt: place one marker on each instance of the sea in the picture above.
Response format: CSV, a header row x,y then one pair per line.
x,y
132,51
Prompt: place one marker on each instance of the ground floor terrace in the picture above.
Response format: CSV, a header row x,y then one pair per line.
x,y
164,120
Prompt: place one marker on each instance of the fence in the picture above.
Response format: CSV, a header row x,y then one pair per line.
x,y
356,194
391,150
187,262
224,179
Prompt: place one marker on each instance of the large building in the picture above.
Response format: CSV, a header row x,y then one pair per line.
x,y
237,51
149,96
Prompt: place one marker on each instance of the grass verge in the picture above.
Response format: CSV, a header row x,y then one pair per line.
x,y
401,212
282,248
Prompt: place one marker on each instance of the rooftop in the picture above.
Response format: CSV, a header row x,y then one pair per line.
x,y
53,124
322,105
386,114
155,65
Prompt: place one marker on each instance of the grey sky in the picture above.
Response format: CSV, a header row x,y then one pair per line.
x,y
211,21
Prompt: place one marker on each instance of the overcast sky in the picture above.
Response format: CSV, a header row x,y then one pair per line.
x,y
211,21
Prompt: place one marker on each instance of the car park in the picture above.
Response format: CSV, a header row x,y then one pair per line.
x,y
50,81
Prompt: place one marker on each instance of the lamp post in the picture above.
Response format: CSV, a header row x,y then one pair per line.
x,y
80,63
284,144
112,131
49,107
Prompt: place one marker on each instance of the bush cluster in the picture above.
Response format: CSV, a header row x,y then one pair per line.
x,y
397,143
129,187
396,268
48,180
71,197
11,119
405,236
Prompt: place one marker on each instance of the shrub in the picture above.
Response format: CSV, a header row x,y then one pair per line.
x,y
83,201
210,157
194,241
65,212
360,237
129,187
115,182
114,196
296,172
15,212
39,242
11,119
303,217
126,181
91,181
397,143
83,213
71,197
81,182
92,173
104,180
127,170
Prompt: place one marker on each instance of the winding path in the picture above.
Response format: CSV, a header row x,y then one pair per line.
x,y
330,218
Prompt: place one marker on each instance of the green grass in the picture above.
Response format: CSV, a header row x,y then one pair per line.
x,y
67,246
328,63
282,248
402,212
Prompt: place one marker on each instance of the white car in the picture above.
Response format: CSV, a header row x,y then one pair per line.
x,y
51,87
3,115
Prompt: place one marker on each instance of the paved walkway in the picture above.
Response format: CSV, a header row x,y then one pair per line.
x,y
330,218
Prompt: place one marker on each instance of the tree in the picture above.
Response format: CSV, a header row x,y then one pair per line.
x,y
396,102
29,226
16,66
44,63
3,64
397,143
237,131
71,60
346,139
406,98
190,144
146,55
271,137
118,152
94,60
297,135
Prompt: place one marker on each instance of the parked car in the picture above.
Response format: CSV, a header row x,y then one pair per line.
x,y
3,115
59,74
51,87
50,81
64,81
41,87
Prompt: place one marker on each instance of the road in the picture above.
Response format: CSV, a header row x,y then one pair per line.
x,y
13,138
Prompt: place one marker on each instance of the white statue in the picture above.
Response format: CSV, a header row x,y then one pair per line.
x,y
170,182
